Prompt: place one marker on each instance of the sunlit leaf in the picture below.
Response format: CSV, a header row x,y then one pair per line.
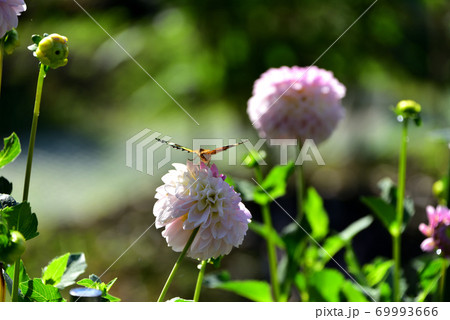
x,y
36,290
254,290
22,213
274,185
10,151
267,234
315,214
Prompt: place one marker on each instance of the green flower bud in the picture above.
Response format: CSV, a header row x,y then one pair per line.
x,y
53,50
16,248
409,107
11,41
440,190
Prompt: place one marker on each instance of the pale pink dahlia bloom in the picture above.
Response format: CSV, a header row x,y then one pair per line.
x,y
437,230
9,10
197,196
296,103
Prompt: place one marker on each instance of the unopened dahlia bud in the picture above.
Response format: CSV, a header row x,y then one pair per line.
x,y
11,41
53,51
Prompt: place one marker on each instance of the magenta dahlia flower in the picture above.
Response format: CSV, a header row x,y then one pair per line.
x,y
437,230
296,103
197,196
9,10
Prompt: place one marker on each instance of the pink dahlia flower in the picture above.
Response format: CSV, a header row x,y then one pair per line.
x,y
197,196
296,103
9,10
437,230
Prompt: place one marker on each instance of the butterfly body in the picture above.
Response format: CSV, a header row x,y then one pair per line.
x,y
203,154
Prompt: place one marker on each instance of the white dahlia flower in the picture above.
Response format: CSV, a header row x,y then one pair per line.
x,y
197,196
9,10
296,103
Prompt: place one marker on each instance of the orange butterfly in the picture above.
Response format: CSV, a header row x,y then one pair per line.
x,y
203,154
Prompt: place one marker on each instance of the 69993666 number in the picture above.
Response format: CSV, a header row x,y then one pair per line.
x,y
407,311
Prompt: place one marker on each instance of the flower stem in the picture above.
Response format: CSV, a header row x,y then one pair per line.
x,y
442,280
177,265
37,105
396,237
300,188
198,286
271,250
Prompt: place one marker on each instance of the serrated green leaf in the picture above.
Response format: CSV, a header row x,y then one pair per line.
x,y
274,185
267,234
254,290
384,211
22,213
352,293
96,283
52,274
86,283
326,285
36,290
76,265
315,214
377,271
10,151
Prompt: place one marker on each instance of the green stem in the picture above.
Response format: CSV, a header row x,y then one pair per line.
x,y
177,265
271,250
198,286
396,237
442,280
300,189
37,105
26,188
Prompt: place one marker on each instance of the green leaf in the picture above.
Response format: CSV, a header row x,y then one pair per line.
x,y
384,211
334,244
326,285
54,271
76,265
389,194
254,290
22,213
261,229
10,151
377,271
352,293
429,271
274,185
36,290
96,283
315,214
63,271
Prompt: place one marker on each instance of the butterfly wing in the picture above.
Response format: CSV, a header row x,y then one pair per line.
x,y
211,152
175,145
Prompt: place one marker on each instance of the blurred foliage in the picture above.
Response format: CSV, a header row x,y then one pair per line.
x,y
206,55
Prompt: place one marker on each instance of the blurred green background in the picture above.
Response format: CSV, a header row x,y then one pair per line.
x,y
207,54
